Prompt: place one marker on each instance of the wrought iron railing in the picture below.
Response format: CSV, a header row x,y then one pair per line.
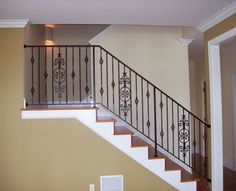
x,y
89,74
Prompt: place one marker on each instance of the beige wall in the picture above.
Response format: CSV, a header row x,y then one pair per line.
x,y
197,77
153,52
76,34
228,71
53,155
211,33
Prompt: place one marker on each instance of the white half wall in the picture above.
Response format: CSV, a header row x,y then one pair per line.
x,y
154,52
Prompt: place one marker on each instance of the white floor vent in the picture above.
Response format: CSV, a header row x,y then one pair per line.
x,y
111,183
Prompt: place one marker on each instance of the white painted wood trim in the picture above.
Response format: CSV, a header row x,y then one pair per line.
x,y
217,18
229,164
14,23
216,108
184,41
234,118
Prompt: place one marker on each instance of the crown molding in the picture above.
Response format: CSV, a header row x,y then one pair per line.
x,y
184,41
220,16
8,23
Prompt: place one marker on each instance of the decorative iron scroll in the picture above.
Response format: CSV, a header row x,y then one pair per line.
x,y
184,136
59,75
125,94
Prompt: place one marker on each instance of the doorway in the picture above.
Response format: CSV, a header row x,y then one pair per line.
x,y
216,108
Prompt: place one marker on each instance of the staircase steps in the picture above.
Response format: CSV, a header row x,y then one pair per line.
x,y
136,141
121,130
202,184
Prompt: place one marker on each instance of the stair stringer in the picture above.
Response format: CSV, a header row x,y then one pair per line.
x,y
123,142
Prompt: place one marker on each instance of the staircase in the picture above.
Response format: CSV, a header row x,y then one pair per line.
x,y
92,85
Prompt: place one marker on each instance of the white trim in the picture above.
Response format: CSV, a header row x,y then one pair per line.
x,y
184,41
234,118
229,164
216,108
220,16
13,23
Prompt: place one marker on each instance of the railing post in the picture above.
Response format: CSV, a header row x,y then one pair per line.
x,y
155,121
94,85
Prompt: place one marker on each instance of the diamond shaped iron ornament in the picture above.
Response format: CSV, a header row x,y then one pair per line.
x,y
32,60
101,91
162,133
32,90
73,74
113,84
86,59
172,127
148,123
136,101
101,61
45,75
86,89
148,94
161,104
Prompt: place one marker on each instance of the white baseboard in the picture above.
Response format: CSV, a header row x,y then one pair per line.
x,y
230,164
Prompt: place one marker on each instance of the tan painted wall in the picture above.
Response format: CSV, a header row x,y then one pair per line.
x,y
228,69
153,52
213,32
53,155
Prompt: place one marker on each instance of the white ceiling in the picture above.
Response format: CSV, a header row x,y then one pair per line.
x,y
139,12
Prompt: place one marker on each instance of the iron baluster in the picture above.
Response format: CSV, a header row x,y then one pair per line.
x,y
136,101
194,144
86,73
162,132
148,114
101,75
119,85
52,76
142,105
39,84
167,123
32,77
205,152
173,128
113,85
80,76
131,104
200,149
178,130
45,73
94,78
155,121
66,75
107,80
73,73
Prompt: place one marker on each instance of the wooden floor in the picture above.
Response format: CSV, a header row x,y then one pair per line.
x,y
229,180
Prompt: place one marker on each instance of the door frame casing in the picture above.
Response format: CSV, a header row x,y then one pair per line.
x,y
216,107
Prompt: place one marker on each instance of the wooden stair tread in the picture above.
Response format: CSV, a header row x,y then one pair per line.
x,y
202,184
121,130
105,119
58,108
138,142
